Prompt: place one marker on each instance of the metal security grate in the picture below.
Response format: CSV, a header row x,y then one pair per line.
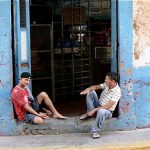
x,y
72,49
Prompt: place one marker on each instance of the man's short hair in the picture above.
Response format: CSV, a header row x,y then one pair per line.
x,y
113,76
25,75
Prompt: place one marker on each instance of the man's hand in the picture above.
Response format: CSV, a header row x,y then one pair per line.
x,y
86,91
49,113
31,110
92,112
43,115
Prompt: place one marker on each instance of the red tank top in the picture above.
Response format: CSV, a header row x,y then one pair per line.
x,y
20,99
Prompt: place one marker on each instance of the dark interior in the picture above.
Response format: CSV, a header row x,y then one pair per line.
x,y
70,49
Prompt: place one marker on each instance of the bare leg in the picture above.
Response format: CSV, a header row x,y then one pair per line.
x,y
44,97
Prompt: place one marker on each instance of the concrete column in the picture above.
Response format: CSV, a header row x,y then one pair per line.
x,y
7,124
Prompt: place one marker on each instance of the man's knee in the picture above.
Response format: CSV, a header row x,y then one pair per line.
x,y
43,94
90,96
38,120
92,93
101,112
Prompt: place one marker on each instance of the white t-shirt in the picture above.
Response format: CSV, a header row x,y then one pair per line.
x,y
110,94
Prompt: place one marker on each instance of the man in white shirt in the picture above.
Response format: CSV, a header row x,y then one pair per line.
x,y
105,105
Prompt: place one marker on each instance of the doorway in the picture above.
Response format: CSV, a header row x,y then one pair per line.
x,y
70,49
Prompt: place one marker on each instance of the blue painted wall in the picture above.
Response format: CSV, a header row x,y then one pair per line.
x,y
127,119
135,102
125,31
7,123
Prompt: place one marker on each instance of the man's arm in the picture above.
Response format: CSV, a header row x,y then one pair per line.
x,y
107,106
32,111
87,90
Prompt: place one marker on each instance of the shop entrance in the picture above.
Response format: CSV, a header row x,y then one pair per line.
x,y
70,49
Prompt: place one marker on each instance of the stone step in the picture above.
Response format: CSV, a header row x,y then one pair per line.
x,y
58,126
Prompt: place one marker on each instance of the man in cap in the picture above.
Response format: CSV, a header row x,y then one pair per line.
x,y
27,107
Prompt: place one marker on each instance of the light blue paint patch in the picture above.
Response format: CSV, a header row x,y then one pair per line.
x,y
142,101
6,110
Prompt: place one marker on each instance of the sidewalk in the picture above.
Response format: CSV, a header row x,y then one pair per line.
x,y
111,140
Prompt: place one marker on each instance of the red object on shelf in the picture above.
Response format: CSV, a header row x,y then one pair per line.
x,y
108,37
100,39
103,38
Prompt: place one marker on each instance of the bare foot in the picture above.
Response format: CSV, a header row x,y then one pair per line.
x,y
59,116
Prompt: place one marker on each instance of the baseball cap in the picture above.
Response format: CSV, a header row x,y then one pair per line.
x,y
26,75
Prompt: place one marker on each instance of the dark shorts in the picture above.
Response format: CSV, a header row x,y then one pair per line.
x,y
29,118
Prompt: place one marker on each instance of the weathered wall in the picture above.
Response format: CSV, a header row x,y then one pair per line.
x,y
141,62
141,26
127,117
7,124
